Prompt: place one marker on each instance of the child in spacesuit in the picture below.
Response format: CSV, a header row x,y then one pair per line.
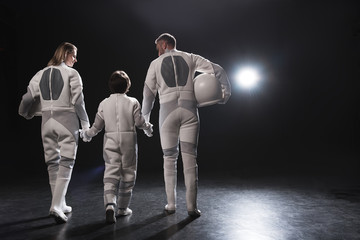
x,y
56,93
119,114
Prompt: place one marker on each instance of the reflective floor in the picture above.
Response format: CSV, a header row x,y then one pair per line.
x,y
232,208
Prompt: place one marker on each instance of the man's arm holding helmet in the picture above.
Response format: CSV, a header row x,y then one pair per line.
x,y
204,65
221,76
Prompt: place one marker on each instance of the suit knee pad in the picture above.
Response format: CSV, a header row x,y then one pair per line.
x,y
67,162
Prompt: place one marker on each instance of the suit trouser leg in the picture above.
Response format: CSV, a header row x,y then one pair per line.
x,y
180,126
58,142
170,178
111,183
189,133
128,178
62,182
191,180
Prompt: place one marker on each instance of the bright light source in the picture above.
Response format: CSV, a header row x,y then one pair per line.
x,y
247,77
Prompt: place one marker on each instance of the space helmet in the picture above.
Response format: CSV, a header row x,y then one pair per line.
x,y
207,90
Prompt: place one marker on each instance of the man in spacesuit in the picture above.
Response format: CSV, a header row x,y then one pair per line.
x,y
171,75
56,94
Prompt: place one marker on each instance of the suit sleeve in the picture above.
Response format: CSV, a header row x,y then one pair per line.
x,y
98,124
30,104
149,92
77,99
139,118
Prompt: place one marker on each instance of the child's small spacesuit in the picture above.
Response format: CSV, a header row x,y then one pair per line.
x,y
119,114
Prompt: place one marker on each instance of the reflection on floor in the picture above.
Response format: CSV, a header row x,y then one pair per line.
x,y
232,208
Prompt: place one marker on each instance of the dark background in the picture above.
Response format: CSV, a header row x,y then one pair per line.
x,y
303,118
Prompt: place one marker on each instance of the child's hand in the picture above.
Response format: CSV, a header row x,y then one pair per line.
x,y
149,130
84,136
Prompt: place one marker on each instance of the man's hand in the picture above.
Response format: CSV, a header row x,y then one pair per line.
x,y
149,130
84,136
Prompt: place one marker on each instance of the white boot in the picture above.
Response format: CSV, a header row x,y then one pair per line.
x,y
195,213
170,178
52,182
58,215
191,184
110,214
58,199
65,208
169,210
124,211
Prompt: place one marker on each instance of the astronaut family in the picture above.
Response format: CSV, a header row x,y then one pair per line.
x,y
56,94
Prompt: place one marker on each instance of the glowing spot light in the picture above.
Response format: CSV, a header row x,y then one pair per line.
x,y
247,77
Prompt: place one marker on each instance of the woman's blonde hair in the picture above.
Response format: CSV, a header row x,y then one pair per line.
x,y
61,52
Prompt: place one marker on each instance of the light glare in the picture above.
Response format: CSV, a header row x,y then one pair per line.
x,y
247,77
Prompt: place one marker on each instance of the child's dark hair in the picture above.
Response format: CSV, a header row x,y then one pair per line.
x,y
119,82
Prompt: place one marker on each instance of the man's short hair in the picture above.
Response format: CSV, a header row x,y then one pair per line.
x,y
168,38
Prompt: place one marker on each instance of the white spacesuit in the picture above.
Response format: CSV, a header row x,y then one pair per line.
x,y
171,75
57,92
120,115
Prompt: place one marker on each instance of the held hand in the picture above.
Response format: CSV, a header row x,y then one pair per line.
x,y
84,136
149,130
28,117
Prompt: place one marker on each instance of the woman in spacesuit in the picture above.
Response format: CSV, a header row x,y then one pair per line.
x,y
56,93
